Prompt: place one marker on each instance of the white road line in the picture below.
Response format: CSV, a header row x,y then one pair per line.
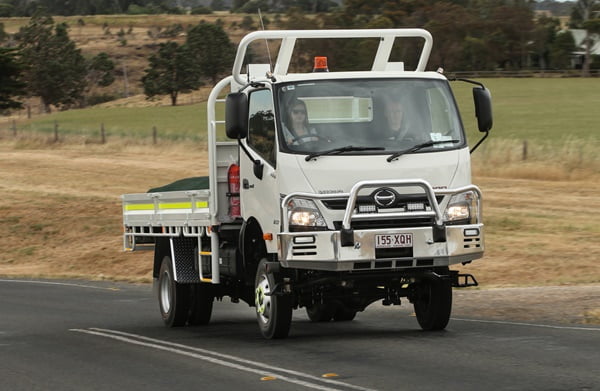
x,y
233,358
203,354
528,324
59,283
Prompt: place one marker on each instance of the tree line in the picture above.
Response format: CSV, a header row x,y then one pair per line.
x,y
469,35
46,63
103,7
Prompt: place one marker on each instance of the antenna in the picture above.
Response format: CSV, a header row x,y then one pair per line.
x,y
262,25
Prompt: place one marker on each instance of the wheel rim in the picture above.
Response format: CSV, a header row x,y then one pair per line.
x,y
263,300
165,293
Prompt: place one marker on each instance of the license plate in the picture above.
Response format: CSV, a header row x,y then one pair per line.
x,y
393,240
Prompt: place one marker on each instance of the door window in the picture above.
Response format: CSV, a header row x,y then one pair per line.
x,y
261,125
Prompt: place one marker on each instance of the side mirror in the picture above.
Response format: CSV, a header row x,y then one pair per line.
x,y
483,108
236,115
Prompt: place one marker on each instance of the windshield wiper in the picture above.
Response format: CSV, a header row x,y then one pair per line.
x,y
418,147
347,148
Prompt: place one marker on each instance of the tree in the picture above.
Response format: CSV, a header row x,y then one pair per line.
x,y
449,32
561,49
100,70
544,35
10,83
583,13
211,49
56,69
172,71
509,31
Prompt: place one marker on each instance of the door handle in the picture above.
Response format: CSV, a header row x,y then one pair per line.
x,y
246,185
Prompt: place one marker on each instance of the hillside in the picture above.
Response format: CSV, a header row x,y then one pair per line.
x,y
130,40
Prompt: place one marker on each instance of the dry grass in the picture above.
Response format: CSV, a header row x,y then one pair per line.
x,y
61,215
592,316
572,159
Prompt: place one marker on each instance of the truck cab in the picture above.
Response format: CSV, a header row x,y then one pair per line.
x,y
340,189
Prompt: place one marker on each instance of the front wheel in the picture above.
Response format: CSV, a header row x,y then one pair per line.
x,y
173,298
273,311
433,303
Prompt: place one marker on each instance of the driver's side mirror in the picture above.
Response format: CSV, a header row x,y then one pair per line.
x,y
236,115
483,108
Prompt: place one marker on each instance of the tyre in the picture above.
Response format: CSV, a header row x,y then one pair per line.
x,y
344,314
173,298
273,312
201,305
322,312
433,303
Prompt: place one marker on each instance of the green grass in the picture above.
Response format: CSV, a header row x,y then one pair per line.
x,y
544,111
172,123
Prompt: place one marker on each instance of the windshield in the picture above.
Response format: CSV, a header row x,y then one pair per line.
x,y
368,116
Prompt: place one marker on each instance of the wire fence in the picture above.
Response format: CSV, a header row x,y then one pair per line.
x,y
12,131
526,73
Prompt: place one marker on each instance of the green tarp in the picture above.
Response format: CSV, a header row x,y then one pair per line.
x,y
195,183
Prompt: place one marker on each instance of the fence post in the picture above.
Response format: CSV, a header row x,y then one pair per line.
x,y
525,150
55,131
102,134
154,135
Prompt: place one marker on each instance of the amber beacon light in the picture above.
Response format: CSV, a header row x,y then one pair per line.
x,y
320,64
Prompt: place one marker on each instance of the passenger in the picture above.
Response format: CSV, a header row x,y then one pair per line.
x,y
296,129
397,125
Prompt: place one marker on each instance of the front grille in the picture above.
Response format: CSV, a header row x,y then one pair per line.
x,y
304,250
385,224
473,242
401,202
399,252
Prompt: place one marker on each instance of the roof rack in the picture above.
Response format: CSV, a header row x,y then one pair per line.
x,y
288,40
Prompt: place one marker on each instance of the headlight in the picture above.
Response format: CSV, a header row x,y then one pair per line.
x,y
304,215
463,208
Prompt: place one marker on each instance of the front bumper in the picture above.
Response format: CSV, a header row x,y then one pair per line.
x,y
350,249
323,250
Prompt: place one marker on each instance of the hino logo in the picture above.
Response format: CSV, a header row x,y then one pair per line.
x,y
384,197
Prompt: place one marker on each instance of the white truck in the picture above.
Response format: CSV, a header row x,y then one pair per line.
x,y
332,221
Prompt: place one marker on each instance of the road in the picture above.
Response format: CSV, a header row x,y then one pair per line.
x,y
79,335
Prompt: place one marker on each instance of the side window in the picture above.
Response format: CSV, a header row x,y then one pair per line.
x,y
261,125
440,115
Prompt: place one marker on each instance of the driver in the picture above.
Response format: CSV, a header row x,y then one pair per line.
x,y
296,129
397,127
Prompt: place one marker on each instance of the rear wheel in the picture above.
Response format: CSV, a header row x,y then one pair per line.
x,y
201,305
173,298
433,303
273,312
344,314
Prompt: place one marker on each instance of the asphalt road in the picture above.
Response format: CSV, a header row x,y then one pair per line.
x,y
73,335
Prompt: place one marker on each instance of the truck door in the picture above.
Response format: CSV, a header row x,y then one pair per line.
x,y
259,193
